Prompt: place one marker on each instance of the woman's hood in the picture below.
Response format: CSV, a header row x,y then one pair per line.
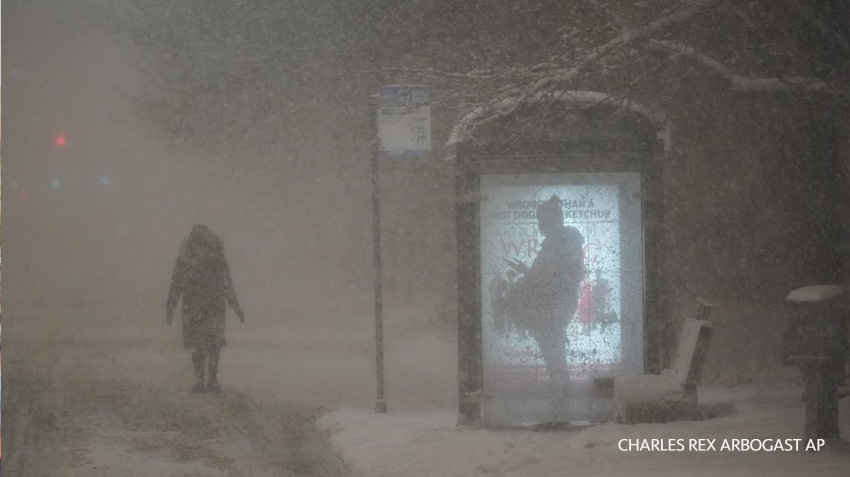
x,y
201,243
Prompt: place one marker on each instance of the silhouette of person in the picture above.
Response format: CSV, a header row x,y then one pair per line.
x,y
202,277
545,295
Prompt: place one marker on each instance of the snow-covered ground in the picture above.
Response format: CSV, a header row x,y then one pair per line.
x,y
430,444
106,394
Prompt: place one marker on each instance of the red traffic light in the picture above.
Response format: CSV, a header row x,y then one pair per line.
x,y
60,140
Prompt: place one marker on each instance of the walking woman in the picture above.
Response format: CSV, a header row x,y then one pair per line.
x,y
202,277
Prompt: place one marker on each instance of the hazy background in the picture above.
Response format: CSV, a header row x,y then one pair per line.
x,y
99,220
251,116
94,225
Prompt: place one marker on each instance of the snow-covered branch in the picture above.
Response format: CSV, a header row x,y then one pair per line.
x,y
521,73
469,75
568,74
503,107
504,104
548,76
747,84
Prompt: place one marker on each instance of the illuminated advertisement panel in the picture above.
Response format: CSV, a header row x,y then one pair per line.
x,y
592,315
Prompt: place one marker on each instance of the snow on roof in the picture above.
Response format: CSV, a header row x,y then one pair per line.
x,y
505,106
815,293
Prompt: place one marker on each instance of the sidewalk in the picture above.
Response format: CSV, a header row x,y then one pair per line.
x,y
430,444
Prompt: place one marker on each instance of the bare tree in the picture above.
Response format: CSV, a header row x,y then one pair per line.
x,y
253,69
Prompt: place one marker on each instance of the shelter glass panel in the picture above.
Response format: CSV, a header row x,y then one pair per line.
x,y
604,329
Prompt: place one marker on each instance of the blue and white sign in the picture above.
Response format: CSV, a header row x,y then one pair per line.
x,y
404,121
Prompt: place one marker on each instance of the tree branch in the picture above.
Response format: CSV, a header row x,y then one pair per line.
x,y
746,84
507,102
470,75
566,75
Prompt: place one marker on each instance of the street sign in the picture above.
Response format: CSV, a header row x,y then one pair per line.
x,y
404,121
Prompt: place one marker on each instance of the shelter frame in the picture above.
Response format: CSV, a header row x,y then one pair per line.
x,y
573,136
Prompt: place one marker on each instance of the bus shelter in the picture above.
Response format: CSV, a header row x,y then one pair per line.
x,y
599,160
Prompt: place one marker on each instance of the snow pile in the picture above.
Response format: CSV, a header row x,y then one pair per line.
x,y
430,444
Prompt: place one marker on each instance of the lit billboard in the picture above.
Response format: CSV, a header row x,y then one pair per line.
x,y
604,332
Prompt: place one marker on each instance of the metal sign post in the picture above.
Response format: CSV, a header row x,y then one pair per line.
x,y
402,126
380,403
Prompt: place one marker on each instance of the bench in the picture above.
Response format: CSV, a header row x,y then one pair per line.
x,y
671,395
